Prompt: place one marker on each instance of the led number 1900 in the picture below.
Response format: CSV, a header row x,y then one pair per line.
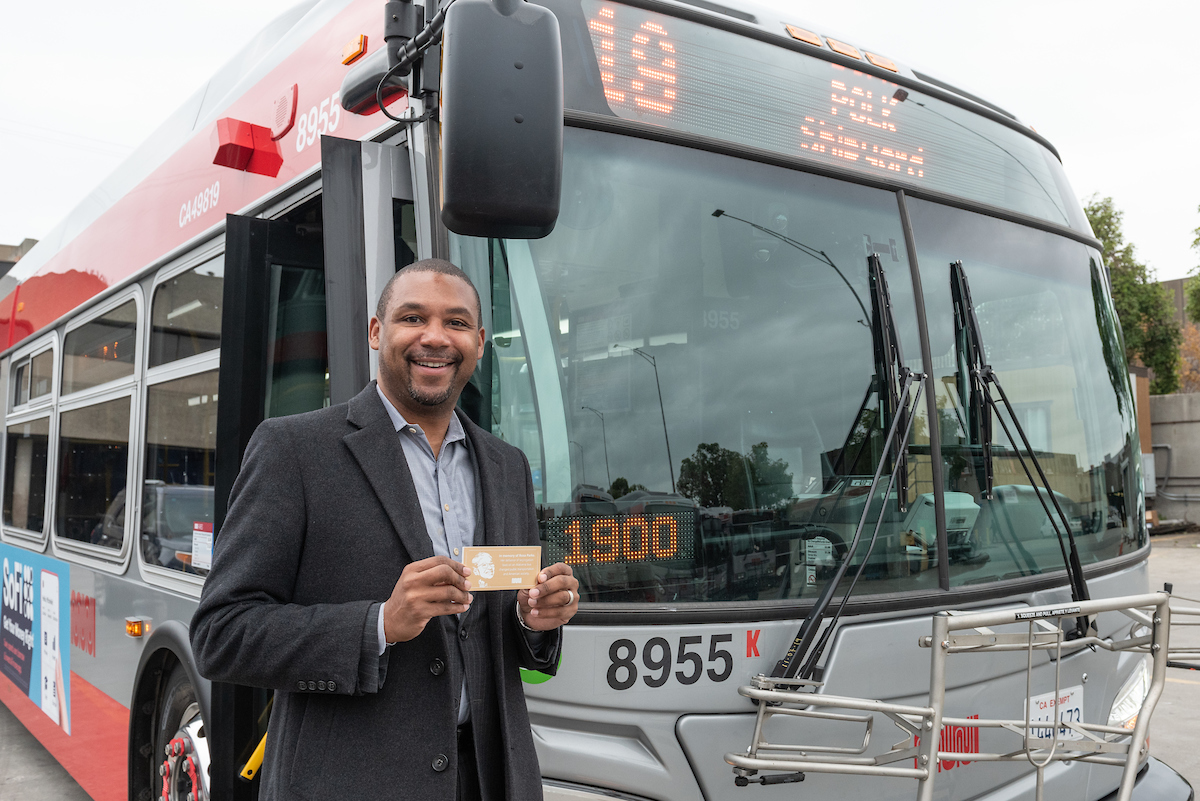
x,y
658,665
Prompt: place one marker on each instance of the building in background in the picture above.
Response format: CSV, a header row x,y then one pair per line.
x,y
11,254
1178,300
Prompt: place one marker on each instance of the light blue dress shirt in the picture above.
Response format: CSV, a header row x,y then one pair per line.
x,y
446,489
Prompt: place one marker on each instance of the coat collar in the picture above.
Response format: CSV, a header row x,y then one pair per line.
x,y
375,447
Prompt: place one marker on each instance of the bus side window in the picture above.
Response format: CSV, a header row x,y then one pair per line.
x,y
93,462
101,350
185,318
180,472
26,459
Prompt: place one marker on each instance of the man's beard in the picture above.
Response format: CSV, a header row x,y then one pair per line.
x,y
427,399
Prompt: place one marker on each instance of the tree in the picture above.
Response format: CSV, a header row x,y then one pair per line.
x,y
1143,306
1191,287
621,487
716,476
1189,352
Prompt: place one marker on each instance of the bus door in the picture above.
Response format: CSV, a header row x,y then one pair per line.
x,y
299,293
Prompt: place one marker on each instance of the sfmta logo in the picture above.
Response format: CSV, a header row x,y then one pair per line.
x,y
83,623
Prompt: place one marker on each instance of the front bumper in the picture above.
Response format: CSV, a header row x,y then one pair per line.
x,y
1158,782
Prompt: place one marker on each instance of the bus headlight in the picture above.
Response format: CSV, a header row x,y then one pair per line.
x,y
1129,700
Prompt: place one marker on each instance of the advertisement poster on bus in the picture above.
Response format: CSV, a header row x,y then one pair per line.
x,y
35,621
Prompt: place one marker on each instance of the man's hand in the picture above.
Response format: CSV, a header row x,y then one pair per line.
x,y
426,589
554,600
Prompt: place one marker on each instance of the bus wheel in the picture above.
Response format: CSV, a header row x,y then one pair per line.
x,y
181,742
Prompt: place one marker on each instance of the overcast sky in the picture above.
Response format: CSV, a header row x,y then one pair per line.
x,y
1111,84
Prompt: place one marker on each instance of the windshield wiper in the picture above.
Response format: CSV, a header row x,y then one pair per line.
x,y
981,378
819,255
894,381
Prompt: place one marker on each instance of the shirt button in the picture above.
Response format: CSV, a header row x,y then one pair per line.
x,y
447,507
412,430
462,634
440,762
436,667
456,552
321,686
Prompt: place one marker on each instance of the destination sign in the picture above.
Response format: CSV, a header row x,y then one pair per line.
x,y
665,71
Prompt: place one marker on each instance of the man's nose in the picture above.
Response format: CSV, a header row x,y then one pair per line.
x,y
435,334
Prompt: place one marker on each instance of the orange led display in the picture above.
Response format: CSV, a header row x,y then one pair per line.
x,y
620,539
636,71
650,75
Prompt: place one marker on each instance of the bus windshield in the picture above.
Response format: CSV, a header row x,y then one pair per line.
x,y
698,397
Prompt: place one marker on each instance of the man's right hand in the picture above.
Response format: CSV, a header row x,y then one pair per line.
x,y
426,589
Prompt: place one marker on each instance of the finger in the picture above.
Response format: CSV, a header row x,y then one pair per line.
x,y
449,594
446,597
555,584
559,569
442,574
436,562
430,563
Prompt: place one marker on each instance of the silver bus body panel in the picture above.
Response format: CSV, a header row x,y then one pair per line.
x,y
638,739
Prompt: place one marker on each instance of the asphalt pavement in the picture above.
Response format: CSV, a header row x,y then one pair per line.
x,y
1175,727
29,773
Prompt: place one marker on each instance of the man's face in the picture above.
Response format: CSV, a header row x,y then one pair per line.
x,y
429,342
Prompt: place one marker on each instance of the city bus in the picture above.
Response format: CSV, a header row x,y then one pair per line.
x,y
731,190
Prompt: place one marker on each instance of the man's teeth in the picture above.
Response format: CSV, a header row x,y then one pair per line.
x,y
433,364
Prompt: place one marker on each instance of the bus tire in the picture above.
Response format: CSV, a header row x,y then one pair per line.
x,y
164,670
179,723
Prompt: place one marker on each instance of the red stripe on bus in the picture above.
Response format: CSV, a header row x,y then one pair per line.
x,y
153,218
95,753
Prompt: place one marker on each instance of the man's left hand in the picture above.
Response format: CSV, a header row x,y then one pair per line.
x,y
554,600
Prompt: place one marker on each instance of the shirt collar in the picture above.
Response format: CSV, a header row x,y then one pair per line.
x,y
454,434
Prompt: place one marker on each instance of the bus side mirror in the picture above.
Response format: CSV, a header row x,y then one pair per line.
x,y
501,119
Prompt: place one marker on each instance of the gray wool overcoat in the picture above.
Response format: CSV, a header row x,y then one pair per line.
x,y
322,520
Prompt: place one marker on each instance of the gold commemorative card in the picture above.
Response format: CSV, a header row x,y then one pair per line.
x,y
503,567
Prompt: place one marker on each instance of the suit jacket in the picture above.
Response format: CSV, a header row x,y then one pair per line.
x,y
323,518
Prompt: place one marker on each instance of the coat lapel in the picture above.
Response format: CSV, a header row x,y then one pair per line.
x,y
376,447
491,480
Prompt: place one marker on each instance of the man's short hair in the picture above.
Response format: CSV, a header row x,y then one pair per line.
x,y
426,266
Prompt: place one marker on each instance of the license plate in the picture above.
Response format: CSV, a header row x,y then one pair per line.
x,y
1047,708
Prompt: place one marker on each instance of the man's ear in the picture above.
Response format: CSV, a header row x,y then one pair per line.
x,y
482,342
374,332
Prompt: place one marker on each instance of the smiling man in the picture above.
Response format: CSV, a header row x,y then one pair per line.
x,y
337,577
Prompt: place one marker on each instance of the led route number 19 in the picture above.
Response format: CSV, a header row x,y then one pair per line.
x,y
640,72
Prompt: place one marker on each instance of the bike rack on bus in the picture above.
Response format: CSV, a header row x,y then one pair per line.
x,y
971,633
